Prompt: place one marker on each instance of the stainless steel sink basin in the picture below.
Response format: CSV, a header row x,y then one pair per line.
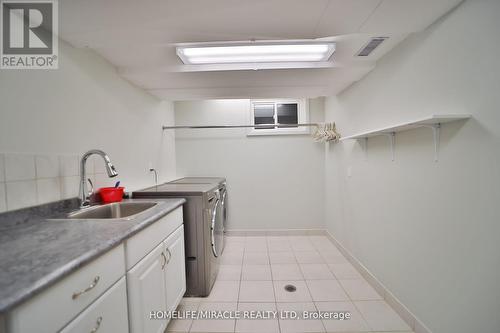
x,y
118,210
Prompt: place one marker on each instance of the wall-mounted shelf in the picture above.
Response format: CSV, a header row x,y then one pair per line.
x,y
434,122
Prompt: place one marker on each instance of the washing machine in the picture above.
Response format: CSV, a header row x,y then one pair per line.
x,y
203,230
222,193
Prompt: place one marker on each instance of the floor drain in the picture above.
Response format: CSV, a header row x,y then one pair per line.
x,y
290,288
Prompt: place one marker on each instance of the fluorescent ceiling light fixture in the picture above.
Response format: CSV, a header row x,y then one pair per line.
x,y
206,53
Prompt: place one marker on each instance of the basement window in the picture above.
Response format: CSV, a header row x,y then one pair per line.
x,y
268,114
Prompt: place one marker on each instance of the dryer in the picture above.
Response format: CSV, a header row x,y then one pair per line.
x,y
222,194
203,230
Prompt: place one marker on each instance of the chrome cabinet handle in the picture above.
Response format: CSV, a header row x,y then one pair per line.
x,y
97,325
169,256
89,288
164,260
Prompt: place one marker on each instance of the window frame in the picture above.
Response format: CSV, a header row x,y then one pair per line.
x,y
302,117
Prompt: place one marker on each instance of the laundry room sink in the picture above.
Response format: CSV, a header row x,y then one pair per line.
x,y
118,210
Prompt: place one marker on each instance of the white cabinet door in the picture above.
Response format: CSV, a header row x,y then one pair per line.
x,y
175,269
146,292
108,314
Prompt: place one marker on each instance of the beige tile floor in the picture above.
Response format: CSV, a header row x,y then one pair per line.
x,y
254,272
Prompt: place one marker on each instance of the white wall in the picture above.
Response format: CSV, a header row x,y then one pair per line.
x,y
429,231
84,105
274,182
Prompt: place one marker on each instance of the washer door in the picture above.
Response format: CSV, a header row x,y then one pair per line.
x,y
216,229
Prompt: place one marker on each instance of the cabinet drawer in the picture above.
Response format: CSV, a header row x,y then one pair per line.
x,y
139,245
56,306
108,314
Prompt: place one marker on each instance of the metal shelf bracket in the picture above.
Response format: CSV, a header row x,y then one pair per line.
x,y
436,133
392,141
363,142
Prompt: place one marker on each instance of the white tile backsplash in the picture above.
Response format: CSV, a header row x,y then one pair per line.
x,y
95,165
29,179
47,166
21,194
102,180
69,165
48,190
3,199
19,167
69,187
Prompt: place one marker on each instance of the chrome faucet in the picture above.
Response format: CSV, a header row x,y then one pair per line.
x,y
110,168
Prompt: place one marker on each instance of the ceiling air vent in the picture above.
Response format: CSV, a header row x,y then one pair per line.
x,y
372,45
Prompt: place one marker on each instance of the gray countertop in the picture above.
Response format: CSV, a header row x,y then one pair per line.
x,y
36,252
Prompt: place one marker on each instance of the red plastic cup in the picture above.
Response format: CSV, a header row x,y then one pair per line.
x,y
111,194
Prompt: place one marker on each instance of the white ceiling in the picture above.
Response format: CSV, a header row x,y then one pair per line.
x,y
139,38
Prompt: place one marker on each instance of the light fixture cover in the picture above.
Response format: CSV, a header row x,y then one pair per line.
x,y
254,52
